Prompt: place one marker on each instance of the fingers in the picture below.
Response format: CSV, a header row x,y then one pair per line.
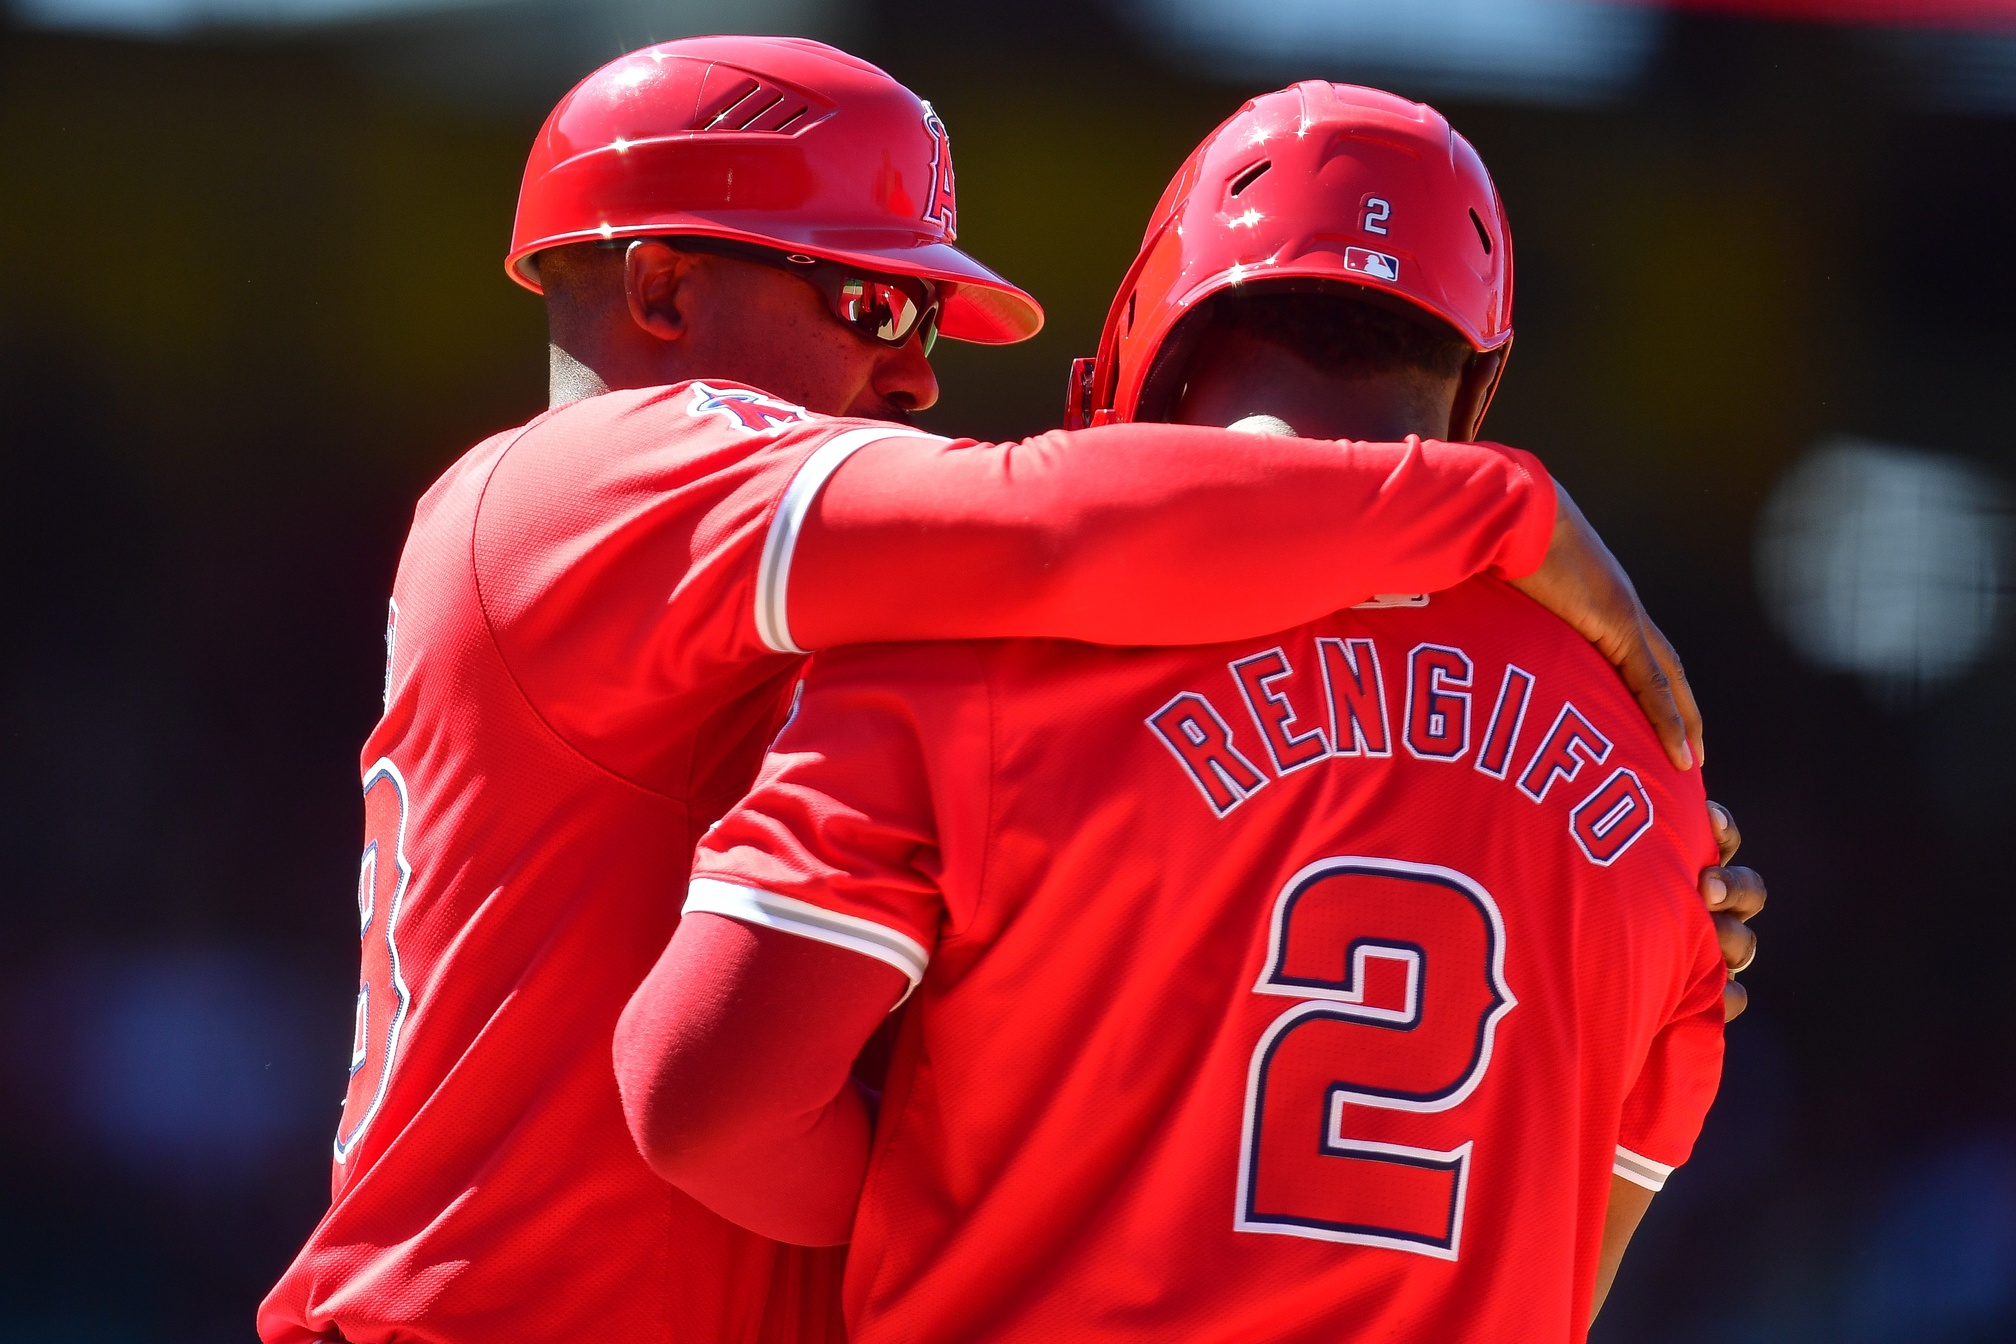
x,y
1654,689
1734,895
1582,583
1728,838
1737,892
1683,694
1739,944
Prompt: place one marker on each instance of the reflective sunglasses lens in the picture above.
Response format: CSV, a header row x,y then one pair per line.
x,y
854,305
903,316
877,308
886,311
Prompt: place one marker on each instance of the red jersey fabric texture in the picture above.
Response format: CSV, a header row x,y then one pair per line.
x,y
1309,988
587,653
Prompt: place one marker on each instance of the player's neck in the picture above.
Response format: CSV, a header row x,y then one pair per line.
x,y
1240,378
568,380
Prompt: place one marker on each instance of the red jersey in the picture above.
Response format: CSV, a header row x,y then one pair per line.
x,y
1311,988
589,647
576,685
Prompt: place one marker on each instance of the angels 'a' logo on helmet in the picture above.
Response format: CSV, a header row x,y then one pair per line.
x,y
939,206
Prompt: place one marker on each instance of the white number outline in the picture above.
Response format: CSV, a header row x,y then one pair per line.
x,y
1350,1006
383,770
1377,211
1441,686
1614,817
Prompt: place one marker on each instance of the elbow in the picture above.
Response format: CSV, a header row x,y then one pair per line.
x,y
664,1110
658,1131
636,1083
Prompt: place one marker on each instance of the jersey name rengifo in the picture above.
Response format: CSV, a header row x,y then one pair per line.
x,y
1312,988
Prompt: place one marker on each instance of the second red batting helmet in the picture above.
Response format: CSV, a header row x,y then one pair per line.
x,y
1327,182
772,140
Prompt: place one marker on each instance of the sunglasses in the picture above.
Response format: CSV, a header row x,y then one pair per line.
x,y
886,308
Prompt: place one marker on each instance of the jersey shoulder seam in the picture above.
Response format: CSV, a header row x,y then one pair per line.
x,y
497,647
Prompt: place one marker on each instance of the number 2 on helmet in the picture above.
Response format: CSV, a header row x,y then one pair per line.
x,y
1401,971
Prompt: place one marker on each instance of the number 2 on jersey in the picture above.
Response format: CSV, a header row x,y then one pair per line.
x,y
382,997
1401,969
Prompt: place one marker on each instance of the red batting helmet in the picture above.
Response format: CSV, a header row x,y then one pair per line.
x,y
771,140
1325,182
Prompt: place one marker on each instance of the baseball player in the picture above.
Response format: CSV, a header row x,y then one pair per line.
x,y
746,250
1342,983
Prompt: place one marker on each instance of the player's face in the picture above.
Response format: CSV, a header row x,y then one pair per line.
x,y
1236,378
775,331
714,317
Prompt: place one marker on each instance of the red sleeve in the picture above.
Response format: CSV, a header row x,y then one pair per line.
x,y
733,1058
1142,534
866,827
1676,1085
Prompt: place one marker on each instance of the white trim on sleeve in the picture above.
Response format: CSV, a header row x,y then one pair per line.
x,y
1641,1170
773,571
752,905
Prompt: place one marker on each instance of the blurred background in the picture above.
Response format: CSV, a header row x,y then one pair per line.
x,y
1767,335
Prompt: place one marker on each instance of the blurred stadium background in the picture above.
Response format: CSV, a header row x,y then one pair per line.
x,y
1767,334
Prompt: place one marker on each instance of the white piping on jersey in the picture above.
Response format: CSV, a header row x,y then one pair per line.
x,y
752,905
1641,1170
773,571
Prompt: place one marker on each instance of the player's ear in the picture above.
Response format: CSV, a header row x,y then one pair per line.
x,y
1473,394
655,277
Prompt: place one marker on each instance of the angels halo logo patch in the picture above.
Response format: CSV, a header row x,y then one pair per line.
x,y
742,408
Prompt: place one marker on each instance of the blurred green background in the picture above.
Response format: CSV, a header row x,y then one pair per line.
x,y
255,303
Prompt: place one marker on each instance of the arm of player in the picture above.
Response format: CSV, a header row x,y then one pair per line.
x,y
814,908
1173,534
1663,1112
1150,534
732,1059
1628,1202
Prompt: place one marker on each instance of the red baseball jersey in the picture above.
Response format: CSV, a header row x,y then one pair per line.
x,y
1311,988
589,647
582,670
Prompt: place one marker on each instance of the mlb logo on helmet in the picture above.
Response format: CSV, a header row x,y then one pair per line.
x,y
1378,265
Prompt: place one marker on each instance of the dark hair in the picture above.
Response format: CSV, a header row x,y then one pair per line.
x,y
1336,327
